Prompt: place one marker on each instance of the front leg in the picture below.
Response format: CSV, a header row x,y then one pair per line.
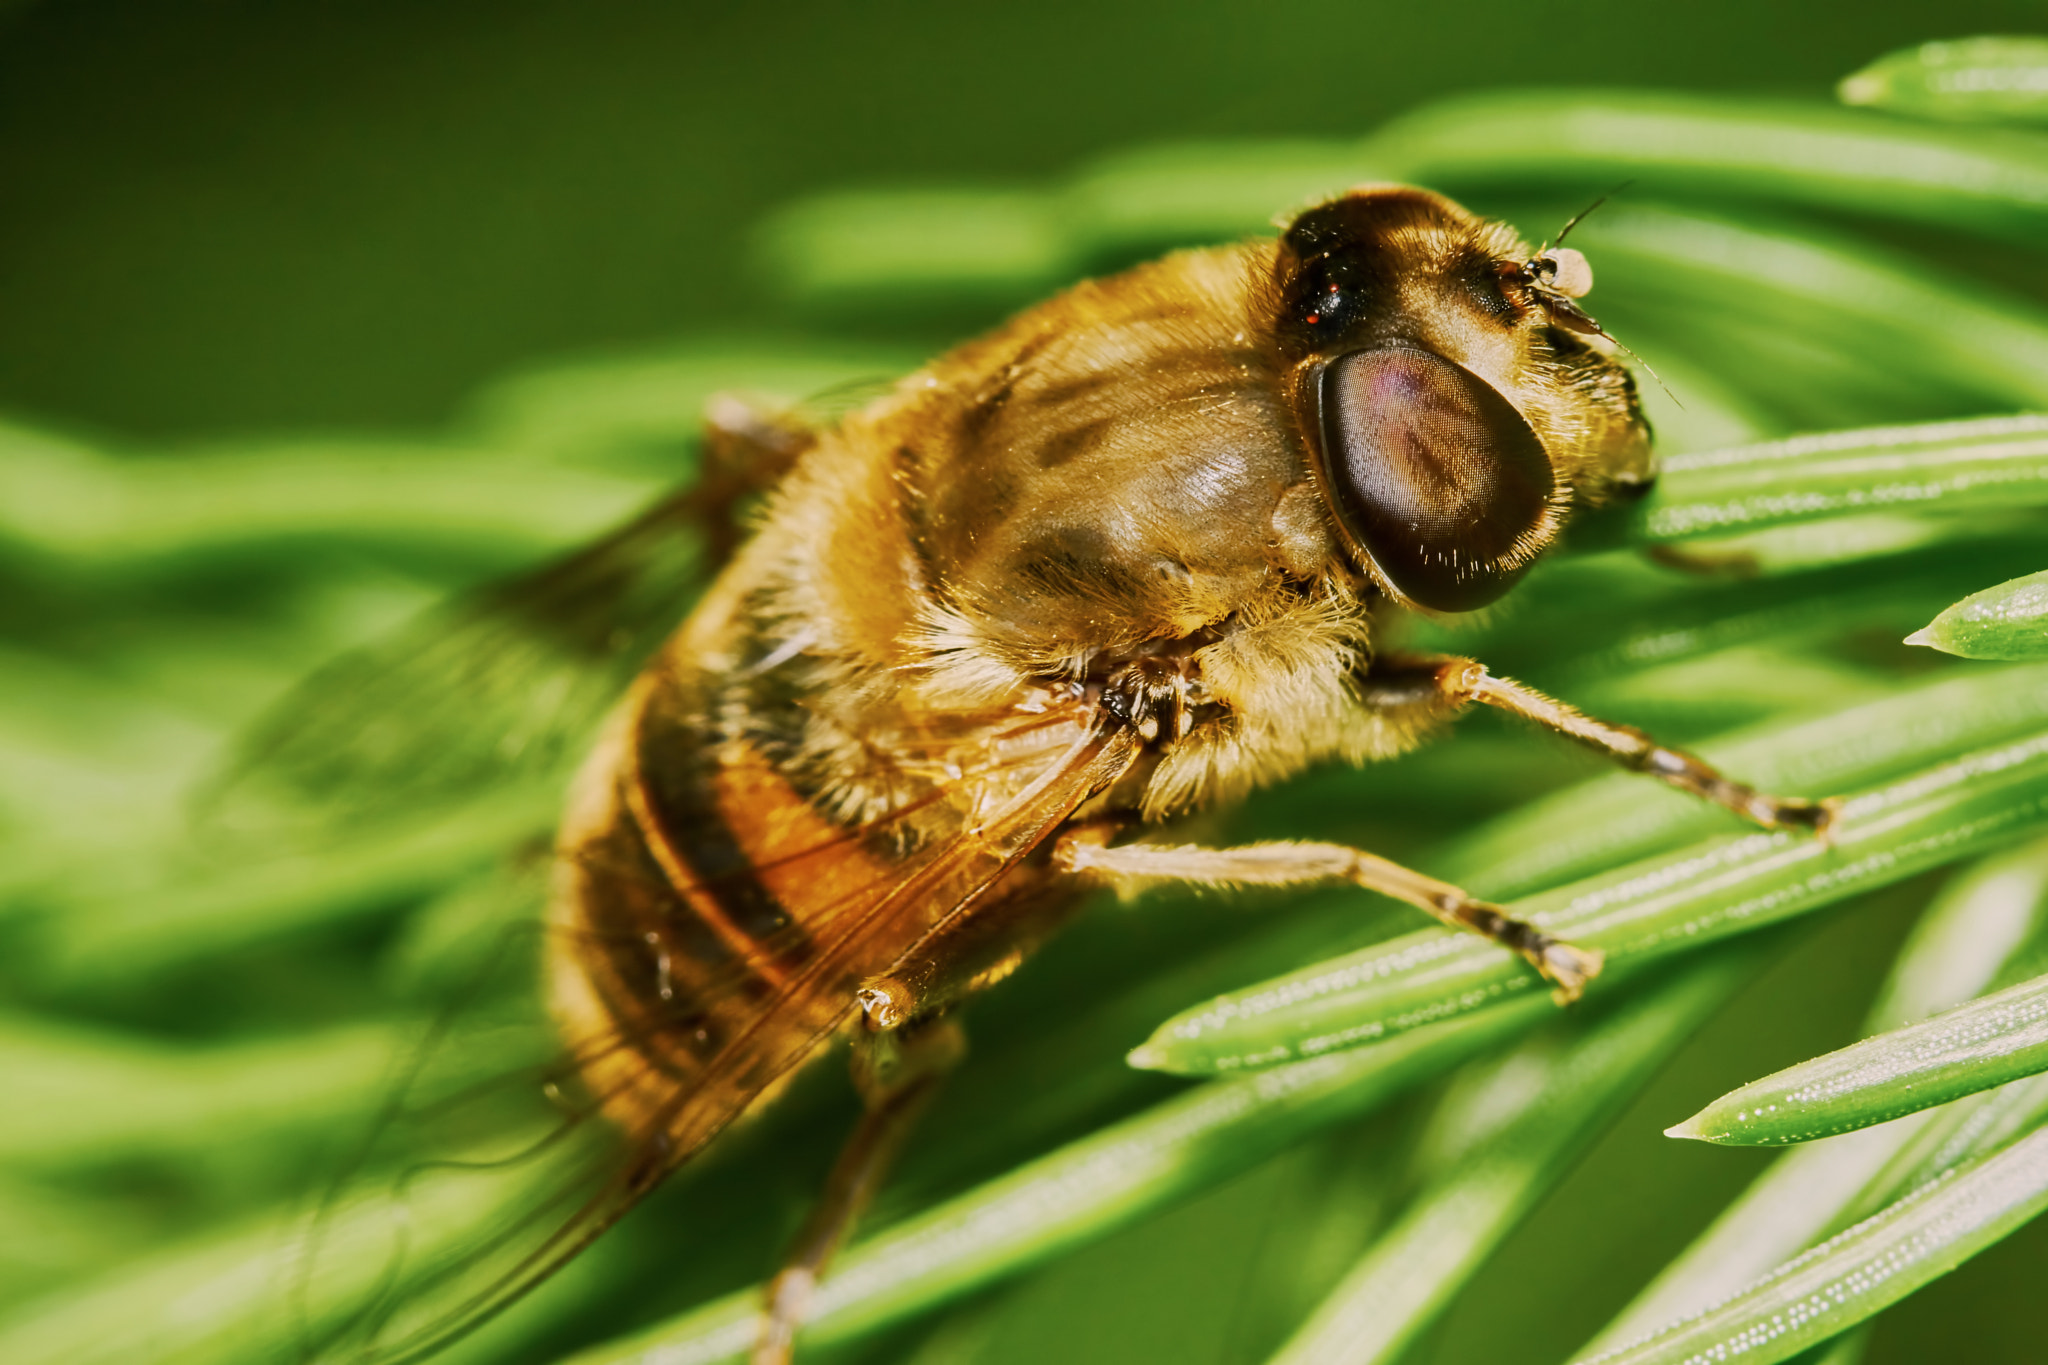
x,y
1426,689
1466,680
1566,967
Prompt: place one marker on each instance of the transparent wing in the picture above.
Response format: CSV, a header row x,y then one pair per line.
x,y
495,1161
498,685
504,683
491,1164
478,1140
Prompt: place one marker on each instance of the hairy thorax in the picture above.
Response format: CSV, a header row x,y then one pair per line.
x,y
1107,479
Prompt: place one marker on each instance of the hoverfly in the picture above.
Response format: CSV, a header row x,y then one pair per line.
x,y
1131,555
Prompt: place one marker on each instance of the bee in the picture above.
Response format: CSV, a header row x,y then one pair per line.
x,y
1132,555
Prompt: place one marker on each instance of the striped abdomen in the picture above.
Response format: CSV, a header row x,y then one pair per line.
x,y
700,906
714,924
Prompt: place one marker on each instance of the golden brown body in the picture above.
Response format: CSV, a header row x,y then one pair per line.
x,y
1130,555
871,686
920,634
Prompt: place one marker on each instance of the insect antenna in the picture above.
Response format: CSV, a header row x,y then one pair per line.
x,y
1648,369
1581,216
1580,320
1579,317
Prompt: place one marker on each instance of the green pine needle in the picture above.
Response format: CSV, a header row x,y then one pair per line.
x,y
2009,621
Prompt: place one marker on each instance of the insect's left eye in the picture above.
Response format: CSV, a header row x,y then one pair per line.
x,y
1433,474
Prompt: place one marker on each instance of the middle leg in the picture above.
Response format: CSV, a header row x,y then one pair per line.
x,y
1566,967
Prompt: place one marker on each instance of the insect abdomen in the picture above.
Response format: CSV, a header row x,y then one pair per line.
x,y
694,882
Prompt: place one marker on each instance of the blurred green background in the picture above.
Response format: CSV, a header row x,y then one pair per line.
x,y
235,216
310,314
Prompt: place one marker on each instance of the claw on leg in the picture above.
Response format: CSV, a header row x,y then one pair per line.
x,y
1567,968
789,1300
1793,813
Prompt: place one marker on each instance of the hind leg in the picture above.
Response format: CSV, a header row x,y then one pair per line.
x,y
897,1071
747,450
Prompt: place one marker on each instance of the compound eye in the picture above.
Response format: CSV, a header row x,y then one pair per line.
x,y
1433,474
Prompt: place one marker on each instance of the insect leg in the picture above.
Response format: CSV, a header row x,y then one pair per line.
x,y
1703,563
897,1071
747,450
1285,863
1467,680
